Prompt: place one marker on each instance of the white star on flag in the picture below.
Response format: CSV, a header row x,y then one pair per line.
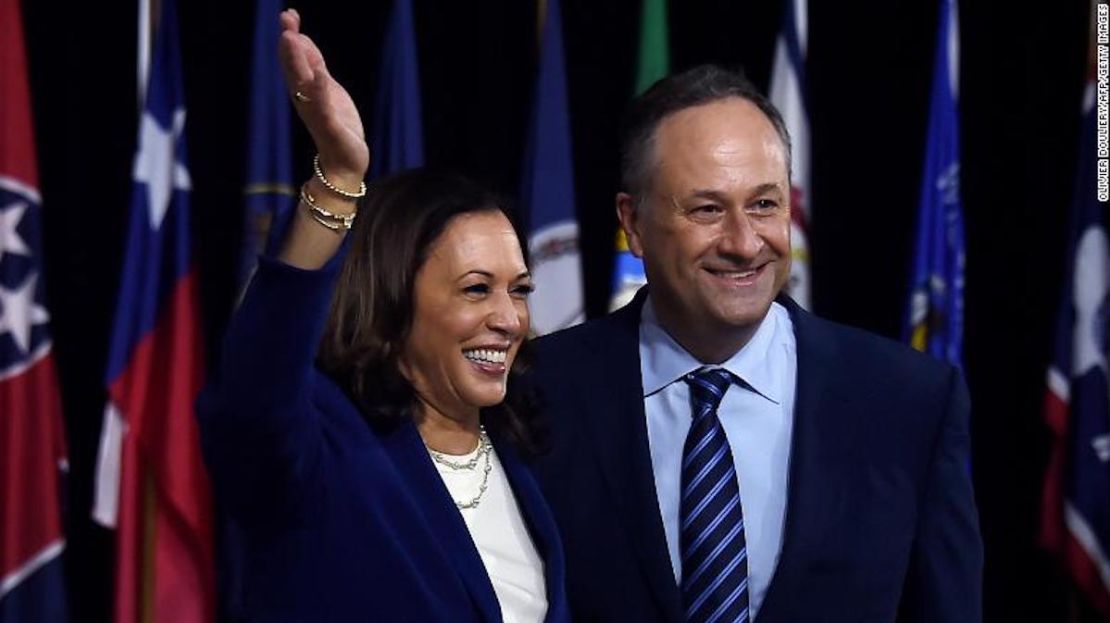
x,y
19,313
157,166
10,242
1090,288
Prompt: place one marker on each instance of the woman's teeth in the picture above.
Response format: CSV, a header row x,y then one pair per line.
x,y
485,355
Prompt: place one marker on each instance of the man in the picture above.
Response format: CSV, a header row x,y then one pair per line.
x,y
718,454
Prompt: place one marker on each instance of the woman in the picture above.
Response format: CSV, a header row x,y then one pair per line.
x,y
384,484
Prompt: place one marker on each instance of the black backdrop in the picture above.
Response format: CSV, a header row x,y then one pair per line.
x,y
869,71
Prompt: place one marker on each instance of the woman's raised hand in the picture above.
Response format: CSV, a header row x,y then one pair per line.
x,y
332,119
324,106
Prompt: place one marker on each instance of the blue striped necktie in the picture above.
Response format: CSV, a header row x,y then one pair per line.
x,y
714,553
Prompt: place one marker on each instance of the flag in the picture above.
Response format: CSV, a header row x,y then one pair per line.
x,y
936,306
398,137
32,442
654,63
270,198
788,94
269,191
1075,521
151,484
548,191
655,51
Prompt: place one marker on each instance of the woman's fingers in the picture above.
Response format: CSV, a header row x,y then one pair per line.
x,y
294,64
301,61
290,20
326,109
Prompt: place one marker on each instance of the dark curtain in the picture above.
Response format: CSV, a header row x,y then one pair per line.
x,y
869,70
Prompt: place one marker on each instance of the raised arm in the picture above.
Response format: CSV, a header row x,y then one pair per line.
x,y
261,429
332,120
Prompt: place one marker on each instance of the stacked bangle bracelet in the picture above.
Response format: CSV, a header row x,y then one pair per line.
x,y
319,172
331,220
335,222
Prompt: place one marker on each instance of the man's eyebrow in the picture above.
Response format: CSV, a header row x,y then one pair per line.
x,y
708,193
766,188
769,188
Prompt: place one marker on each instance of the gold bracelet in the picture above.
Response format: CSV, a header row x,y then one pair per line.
x,y
336,227
334,222
332,187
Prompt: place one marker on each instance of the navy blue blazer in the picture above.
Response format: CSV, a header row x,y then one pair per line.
x,y
880,518
340,522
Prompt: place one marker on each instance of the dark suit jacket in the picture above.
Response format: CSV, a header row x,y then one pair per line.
x,y
340,522
880,519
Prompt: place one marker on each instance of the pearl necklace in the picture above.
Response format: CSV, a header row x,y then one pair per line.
x,y
485,448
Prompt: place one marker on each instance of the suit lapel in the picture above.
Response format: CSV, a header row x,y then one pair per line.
x,y
816,483
407,450
618,428
545,536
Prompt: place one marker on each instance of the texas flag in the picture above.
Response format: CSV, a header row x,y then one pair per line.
x,y
32,443
151,484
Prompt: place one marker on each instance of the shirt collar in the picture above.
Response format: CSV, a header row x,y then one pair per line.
x,y
663,361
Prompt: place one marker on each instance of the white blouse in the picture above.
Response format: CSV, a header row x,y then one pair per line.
x,y
497,527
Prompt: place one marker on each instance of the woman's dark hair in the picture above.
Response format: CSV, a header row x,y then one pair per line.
x,y
372,308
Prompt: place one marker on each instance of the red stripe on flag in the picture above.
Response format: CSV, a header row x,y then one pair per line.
x,y
155,396
17,149
1086,575
798,208
32,444
1055,535
1053,532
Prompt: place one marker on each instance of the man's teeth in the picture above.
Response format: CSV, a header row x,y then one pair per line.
x,y
485,355
736,274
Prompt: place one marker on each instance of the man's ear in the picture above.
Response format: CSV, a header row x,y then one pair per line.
x,y
628,213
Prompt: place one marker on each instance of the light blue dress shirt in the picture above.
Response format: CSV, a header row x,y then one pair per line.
x,y
758,425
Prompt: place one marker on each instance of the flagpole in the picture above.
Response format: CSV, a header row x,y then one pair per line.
x,y
142,67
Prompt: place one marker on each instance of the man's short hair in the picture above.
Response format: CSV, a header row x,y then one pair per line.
x,y
700,85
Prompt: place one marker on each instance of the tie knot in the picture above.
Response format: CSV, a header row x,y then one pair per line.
x,y
708,387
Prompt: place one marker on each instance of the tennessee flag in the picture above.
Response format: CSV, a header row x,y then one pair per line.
x,y
151,484
32,443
